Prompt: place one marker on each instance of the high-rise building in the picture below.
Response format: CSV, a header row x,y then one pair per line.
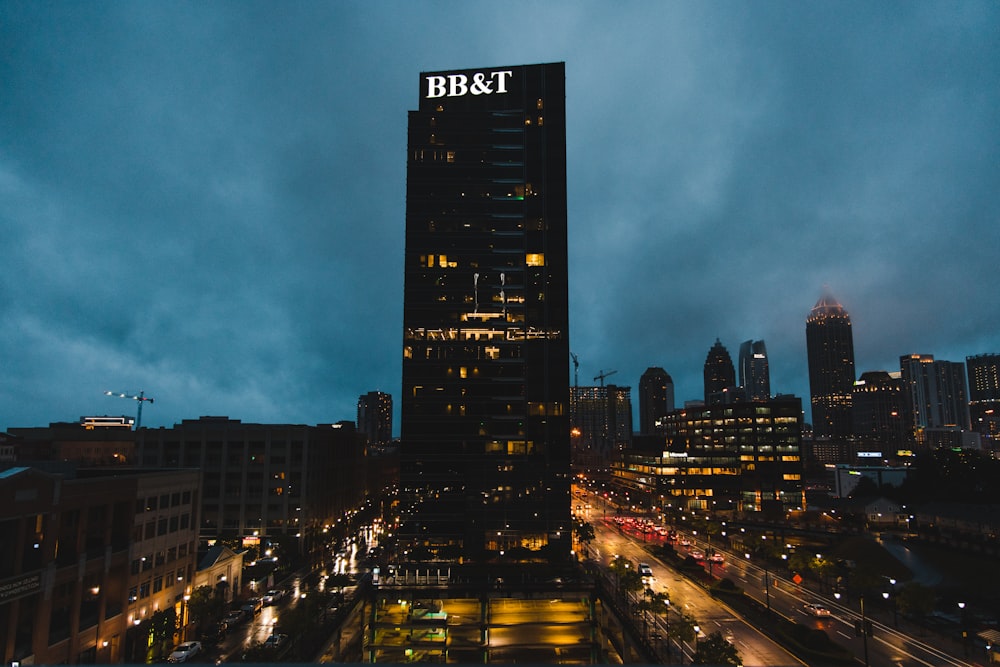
x,y
936,393
830,348
602,424
656,398
720,375
375,418
879,411
485,438
984,396
741,457
755,375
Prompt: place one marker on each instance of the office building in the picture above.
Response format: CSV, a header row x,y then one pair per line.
x,y
879,413
935,392
263,481
739,457
375,418
484,446
91,559
830,350
601,419
755,375
656,398
984,397
720,375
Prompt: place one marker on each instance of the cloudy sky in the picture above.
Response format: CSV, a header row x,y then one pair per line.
x,y
205,201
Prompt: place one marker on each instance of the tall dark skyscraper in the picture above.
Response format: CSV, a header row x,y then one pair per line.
x,y
755,374
656,398
830,348
375,417
485,453
720,374
878,411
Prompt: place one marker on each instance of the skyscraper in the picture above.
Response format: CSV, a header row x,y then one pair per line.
x,y
484,459
755,375
656,398
830,348
878,407
720,375
375,417
936,394
984,396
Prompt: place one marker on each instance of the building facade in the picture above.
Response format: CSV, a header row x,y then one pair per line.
x,y
935,392
830,349
484,457
656,398
263,480
984,397
879,417
720,374
740,457
601,419
375,418
754,372
89,557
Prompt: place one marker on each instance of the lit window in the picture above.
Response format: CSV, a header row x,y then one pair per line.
x,y
451,156
539,103
534,259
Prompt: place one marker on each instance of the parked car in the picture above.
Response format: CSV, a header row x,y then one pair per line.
x,y
184,652
272,596
234,617
275,641
252,606
817,610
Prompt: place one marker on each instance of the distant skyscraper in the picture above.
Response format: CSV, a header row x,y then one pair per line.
x,y
755,376
879,410
602,423
830,348
720,375
375,417
936,394
485,436
656,398
984,396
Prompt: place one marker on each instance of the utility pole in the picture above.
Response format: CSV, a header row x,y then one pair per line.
x,y
141,398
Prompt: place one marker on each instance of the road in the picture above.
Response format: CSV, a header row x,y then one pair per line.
x,y
755,648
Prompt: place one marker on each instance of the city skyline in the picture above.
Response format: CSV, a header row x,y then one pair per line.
x,y
207,205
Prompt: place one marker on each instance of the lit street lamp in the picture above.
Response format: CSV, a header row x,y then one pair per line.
x,y
864,628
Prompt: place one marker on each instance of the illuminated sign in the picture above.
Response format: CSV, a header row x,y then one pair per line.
x,y
459,85
869,455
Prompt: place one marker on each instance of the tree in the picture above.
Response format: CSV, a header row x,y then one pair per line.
x,y
715,650
584,532
205,605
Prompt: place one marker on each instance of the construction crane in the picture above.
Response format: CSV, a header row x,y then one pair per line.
x,y
576,370
600,376
142,398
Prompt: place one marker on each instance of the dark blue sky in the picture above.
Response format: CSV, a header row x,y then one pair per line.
x,y
205,201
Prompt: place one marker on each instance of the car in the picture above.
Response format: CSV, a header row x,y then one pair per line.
x,y
234,617
252,606
275,641
817,610
717,558
184,652
272,596
697,555
685,542
645,571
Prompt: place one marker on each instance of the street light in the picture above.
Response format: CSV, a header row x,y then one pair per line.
x,y
865,628
965,633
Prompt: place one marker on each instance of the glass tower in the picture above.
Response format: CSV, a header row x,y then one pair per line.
x,y
485,453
